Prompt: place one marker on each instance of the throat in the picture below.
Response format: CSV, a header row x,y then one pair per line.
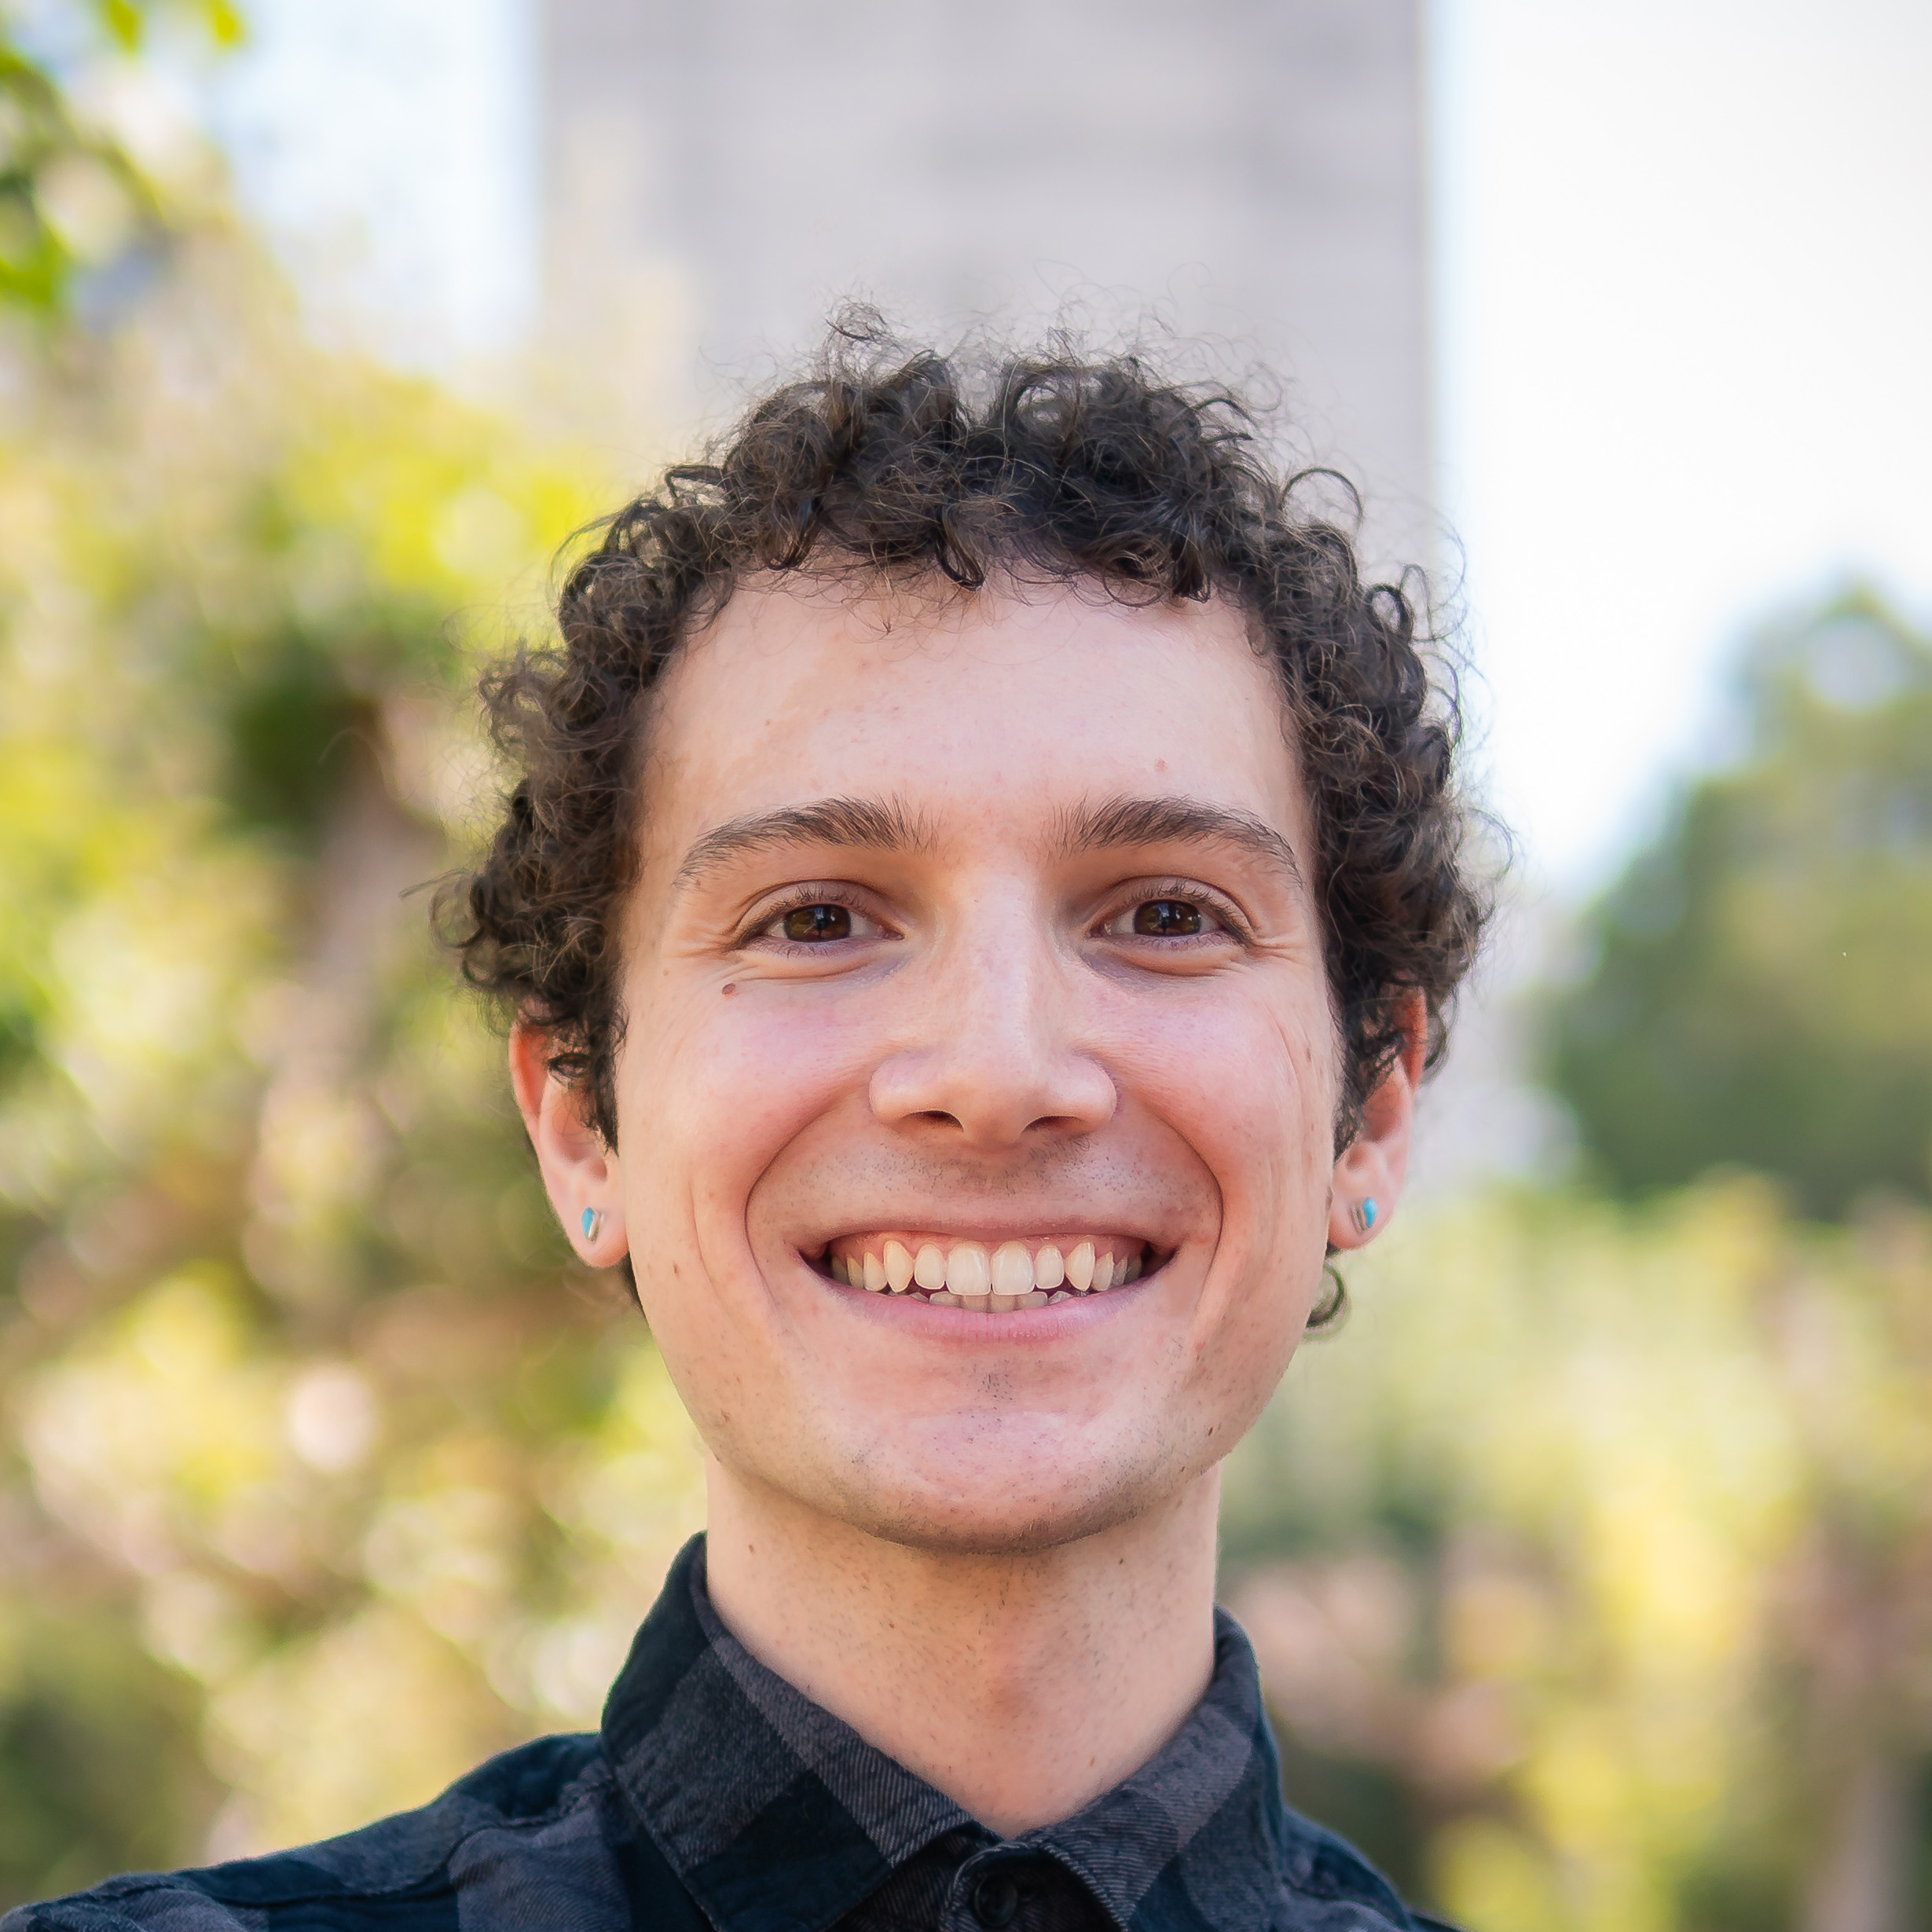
x,y
1023,1687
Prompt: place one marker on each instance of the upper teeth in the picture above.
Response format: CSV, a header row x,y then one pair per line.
x,y
965,1273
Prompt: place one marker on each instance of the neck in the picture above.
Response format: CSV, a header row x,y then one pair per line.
x,y
1021,1686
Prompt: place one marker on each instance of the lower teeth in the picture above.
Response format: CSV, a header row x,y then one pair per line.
x,y
1000,1304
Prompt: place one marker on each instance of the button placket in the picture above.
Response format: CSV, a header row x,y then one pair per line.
x,y
994,1899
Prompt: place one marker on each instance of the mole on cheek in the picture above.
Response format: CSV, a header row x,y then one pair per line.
x,y
728,988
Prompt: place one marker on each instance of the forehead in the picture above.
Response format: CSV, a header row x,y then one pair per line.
x,y
989,708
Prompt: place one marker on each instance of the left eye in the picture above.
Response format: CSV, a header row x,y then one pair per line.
x,y
1164,918
1167,918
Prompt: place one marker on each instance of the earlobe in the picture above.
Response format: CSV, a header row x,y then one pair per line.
x,y
1369,1174
580,1173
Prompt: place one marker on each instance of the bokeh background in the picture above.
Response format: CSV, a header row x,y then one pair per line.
x,y
1591,1564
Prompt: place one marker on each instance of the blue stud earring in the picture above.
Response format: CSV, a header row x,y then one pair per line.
x,y
593,1221
1362,1214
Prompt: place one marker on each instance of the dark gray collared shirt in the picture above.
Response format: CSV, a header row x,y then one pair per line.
x,y
716,1795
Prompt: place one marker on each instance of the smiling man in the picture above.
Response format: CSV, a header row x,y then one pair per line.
x,y
982,889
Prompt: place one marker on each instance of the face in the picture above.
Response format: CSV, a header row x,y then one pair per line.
x,y
976,1111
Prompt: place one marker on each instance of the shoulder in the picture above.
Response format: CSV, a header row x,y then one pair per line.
x,y
1332,1888
537,1804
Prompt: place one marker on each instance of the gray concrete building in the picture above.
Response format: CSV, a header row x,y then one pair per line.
x,y
720,173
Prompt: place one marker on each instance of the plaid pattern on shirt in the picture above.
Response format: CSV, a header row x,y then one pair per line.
x,y
716,1795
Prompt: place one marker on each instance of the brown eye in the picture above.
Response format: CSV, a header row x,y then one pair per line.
x,y
1167,918
808,923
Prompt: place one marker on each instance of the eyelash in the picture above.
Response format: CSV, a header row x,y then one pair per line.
x,y
768,916
1185,892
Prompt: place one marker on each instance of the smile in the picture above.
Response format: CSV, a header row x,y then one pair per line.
x,y
996,1279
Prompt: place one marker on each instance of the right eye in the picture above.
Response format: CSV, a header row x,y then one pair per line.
x,y
809,921
809,925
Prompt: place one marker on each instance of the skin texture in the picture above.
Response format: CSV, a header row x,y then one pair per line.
x,y
1026,1501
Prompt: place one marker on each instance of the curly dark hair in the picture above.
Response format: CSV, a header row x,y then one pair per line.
x,y
1051,467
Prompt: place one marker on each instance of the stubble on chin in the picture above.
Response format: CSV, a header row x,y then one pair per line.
x,y
872,1495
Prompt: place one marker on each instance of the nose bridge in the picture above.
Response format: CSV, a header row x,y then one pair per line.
x,y
996,1053
999,987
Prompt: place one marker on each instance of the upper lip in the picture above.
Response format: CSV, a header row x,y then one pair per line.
x,y
991,1229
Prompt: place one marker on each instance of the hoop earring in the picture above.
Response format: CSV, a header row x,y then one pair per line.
x,y
1327,1314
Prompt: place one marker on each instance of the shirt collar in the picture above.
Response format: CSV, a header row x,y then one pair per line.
x,y
777,1817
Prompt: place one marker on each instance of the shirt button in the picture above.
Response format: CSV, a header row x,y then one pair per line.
x,y
995,1899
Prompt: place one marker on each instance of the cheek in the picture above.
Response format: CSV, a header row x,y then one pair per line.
x,y
712,1091
1247,1080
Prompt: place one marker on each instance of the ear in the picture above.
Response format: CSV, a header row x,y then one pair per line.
x,y
580,1175
1373,1165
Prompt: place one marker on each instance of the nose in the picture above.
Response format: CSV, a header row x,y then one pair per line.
x,y
994,1060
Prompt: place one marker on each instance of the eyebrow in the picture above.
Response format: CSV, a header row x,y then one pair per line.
x,y
885,825
1123,822
876,825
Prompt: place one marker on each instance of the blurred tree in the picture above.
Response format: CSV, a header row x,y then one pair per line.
x,y
1588,1568
1759,990
98,1763
323,1469
79,193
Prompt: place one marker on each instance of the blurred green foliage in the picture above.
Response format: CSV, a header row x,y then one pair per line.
x,y
324,1470
79,190
99,1766
1589,1567
1760,987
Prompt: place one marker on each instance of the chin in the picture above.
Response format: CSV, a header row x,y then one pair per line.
x,y
1009,1508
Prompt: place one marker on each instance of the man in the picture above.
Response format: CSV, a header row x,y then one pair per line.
x,y
982,889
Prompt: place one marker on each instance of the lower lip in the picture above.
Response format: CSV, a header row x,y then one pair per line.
x,y
966,1325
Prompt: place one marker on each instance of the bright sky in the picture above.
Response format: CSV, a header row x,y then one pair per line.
x,y
390,146
1684,275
